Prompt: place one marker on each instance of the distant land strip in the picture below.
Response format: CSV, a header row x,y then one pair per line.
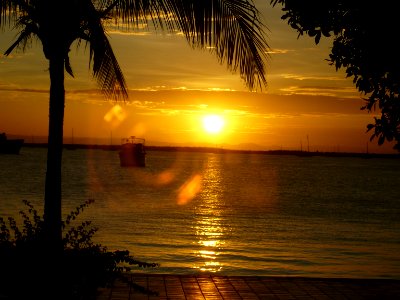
x,y
223,150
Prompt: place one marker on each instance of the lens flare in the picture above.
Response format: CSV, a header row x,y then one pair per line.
x,y
115,116
189,190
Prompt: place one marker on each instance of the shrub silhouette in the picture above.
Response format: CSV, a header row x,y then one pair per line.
x,y
26,268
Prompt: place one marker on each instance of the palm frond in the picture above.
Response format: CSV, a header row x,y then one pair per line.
x,y
67,65
106,69
24,38
103,62
128,13
11,10
7,7
232,29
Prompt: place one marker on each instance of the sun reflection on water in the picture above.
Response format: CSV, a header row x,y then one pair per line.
x,y
209,224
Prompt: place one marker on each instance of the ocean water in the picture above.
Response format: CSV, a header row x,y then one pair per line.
x,y
229,214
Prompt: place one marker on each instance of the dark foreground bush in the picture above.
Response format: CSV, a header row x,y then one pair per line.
x,y
27,269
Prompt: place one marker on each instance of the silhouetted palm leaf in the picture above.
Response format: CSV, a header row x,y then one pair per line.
x,y
106,69
232,29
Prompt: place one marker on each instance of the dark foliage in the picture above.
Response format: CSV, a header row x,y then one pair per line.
x,y
365,44
27,269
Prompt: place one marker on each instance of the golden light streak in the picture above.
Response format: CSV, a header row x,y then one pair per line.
x,y
189,189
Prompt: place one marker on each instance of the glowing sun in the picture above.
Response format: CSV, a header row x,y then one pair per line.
x,y
213,123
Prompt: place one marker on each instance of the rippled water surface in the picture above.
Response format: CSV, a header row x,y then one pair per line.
x,y
233,214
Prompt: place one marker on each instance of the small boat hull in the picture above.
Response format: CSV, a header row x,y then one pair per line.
x,y
132,153
10,146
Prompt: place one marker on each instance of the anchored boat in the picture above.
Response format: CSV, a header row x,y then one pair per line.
x,y
10,146
132,153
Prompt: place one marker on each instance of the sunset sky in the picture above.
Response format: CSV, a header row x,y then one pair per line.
x,y
173,87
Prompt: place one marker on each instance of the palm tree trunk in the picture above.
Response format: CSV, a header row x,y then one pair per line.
x,y
52,197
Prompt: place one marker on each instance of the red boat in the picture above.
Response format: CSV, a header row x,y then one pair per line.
x,y
132,153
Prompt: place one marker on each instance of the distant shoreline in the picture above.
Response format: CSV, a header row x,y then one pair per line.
x,y
222,150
